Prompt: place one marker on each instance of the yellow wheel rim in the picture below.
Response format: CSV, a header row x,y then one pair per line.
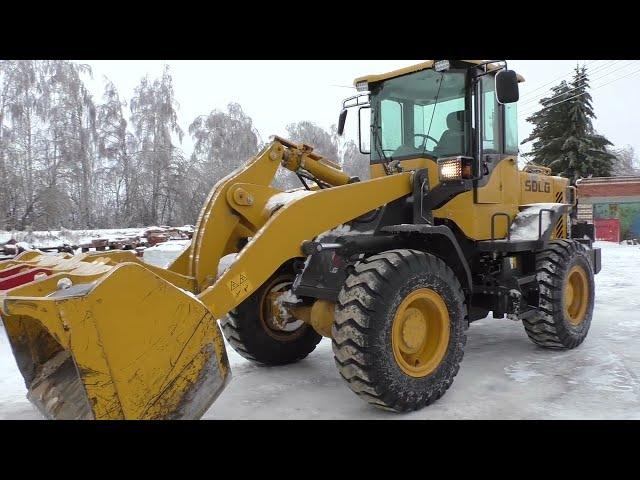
x,y
420,332
576,295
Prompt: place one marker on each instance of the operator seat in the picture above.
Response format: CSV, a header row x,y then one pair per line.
x,y
452,140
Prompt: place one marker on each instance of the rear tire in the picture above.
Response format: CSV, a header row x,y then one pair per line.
x,y
567,289
246,329
408,365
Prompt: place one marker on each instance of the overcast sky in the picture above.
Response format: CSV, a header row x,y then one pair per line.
x,y
276,93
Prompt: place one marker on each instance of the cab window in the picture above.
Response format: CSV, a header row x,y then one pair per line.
x,y
419,114
491,116
511,128
391,125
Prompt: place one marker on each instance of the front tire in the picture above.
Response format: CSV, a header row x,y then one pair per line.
x,y
567,290
251,333
399,330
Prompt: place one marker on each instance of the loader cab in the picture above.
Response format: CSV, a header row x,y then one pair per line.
x,y
438,110
422,114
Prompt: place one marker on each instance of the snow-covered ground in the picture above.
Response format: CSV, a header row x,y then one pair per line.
x,y
503,375
55,238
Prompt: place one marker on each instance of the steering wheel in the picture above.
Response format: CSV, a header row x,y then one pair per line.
x,y
425,137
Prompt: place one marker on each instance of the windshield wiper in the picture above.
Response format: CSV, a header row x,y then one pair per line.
x,y
435,105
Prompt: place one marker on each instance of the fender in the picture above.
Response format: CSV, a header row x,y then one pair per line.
x,y
456,256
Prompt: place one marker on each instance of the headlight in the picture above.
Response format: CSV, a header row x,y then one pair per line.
x,y
450,169
455,168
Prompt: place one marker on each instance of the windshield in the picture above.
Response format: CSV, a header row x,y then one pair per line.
x,y
422,113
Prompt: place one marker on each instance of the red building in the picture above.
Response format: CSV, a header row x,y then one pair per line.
x,y
612,204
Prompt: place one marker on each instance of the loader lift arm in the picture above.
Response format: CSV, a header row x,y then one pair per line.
x,y
300,220
106,336
239,207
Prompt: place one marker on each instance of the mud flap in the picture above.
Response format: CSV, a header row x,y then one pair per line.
x,y
128,345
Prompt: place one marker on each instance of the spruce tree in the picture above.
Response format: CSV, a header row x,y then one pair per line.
x,y
563,136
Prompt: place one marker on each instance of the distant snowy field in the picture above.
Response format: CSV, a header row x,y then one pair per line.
x,y
503,375
55,238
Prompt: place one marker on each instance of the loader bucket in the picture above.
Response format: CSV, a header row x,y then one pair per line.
x,y
113,342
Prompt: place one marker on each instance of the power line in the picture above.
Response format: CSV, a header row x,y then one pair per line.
x,y
555,80
530,110
584,93
579,95
620,78
567,76
597,69
529,98
532,101
609,72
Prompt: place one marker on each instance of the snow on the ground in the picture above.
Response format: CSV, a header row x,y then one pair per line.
x,y
162,254
55,238
503,375
13,400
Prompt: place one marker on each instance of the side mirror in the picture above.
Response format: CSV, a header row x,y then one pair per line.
x,y
507,90
364,125
341,121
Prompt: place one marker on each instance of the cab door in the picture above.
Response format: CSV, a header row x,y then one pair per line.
x,y
489,189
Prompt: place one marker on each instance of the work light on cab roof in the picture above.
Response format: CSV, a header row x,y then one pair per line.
x,y
441,65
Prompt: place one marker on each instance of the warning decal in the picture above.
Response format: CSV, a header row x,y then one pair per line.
x,y
240,286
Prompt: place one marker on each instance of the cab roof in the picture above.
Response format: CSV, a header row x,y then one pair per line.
x,y
417,67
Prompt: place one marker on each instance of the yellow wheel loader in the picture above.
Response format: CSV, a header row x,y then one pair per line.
x,y
393,269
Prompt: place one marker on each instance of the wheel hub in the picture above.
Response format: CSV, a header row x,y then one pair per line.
x,y
278,316
420,332
576,295
278,321
414,330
